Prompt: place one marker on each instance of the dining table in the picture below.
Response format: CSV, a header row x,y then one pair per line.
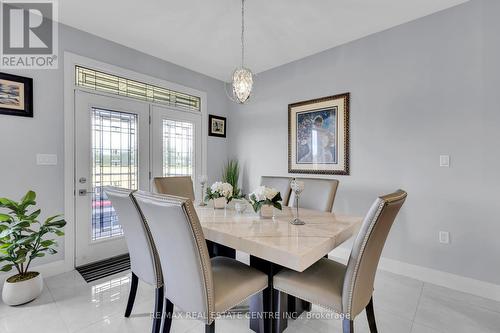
x,y
274,244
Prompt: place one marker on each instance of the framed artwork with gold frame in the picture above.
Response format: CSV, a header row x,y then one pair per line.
x,y
318,136
16,95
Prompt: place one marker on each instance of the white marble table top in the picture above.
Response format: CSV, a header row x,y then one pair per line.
x,y
276,240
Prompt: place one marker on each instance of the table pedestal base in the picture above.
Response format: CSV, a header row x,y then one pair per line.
x,y
271,309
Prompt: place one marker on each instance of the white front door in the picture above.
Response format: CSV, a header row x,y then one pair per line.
x,y
177,144
112,145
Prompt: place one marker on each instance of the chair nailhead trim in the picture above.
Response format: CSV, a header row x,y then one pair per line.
x,y
241,301
358,260
152,246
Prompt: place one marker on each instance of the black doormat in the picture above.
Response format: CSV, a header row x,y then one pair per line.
x,y
103,268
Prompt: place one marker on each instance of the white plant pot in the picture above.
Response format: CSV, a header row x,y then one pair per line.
x,y
220,203
266,212
16,293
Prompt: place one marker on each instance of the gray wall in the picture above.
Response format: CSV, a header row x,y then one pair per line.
x,y
23,138
422,89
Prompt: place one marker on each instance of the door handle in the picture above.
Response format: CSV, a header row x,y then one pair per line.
x,y
83,192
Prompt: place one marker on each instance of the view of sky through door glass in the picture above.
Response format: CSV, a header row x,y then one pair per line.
x,y
114,162
178,148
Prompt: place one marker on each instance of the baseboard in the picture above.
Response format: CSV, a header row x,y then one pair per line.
x,y
440,278
47,270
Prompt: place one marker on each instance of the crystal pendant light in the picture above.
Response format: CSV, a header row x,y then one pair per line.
x,y
242,80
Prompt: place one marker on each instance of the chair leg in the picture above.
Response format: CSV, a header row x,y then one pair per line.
x,y
370,314
347,326
131,295
167,318
210,328
157,315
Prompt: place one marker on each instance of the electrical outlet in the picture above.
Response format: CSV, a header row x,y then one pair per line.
x,y
444,237
444,161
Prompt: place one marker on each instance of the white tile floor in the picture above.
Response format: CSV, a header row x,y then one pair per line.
x,y
402,305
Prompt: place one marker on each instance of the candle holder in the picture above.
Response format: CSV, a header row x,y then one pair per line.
x,y
297,188
202,179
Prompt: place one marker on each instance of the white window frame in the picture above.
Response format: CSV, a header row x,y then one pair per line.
x,y
70,61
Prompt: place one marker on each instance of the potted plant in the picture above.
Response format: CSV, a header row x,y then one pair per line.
x,y
23,238
221,194
264,199
231,175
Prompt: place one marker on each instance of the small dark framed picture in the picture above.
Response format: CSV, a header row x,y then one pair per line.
x,y
216,126
16,95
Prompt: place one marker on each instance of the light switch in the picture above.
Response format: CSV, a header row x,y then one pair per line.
x,y
46,159
444,237
444,161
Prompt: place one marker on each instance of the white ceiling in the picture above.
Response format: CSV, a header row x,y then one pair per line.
x,y
204,35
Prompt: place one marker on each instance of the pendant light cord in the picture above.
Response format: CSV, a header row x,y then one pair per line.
x,y
242,33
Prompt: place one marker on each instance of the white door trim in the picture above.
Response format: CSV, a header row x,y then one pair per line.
x,y
70,60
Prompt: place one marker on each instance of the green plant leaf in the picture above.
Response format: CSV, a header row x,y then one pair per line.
x,y
21,224
6,268
257,205
7,249
51,218
4,202
231,175
57,224
26,240
29,197
34,215
5,218
6,233
20,260
47,243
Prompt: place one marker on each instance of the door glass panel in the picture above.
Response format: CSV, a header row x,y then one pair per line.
x,y
178,148
114,162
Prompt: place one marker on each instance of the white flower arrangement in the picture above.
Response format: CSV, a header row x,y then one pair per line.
x,y
220,190
264,195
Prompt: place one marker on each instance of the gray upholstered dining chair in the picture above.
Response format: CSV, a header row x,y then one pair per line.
x,y
144,260
282,184
318,194
181,186
195,283
347,289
